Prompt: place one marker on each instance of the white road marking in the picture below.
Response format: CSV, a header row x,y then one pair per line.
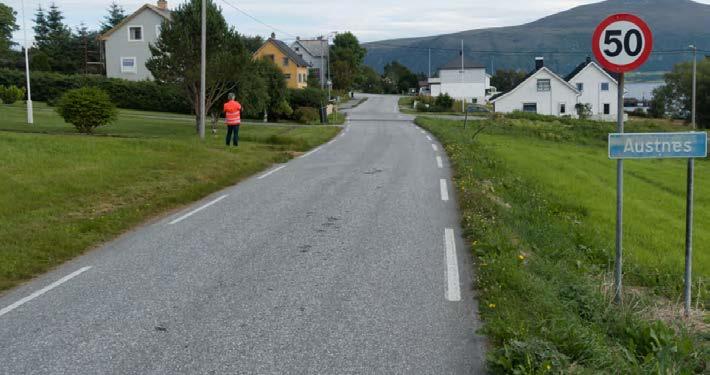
x,y
439,163
453,290
303,156
183,217
433,146
422,131
428,138
43,290
444,190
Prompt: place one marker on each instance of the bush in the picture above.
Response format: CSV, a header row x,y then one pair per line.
x,y
306,115
140,95
444,101
11,94
86,108
584,111
306,97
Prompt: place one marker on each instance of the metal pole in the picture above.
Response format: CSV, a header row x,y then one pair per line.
x,y
30,112
687,297
203,69
619,197
429,73
463,73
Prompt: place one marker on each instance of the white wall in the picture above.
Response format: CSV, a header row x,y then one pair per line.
x,y
118,46
548,102
472,87
592,77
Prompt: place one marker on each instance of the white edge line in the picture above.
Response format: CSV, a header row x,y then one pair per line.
x,y
453,290
183,217
439,162
428,138
444,190
304,155
43,290
433,146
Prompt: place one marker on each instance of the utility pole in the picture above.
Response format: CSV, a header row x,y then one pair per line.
x,y
30,114
203,69
689,202
463,73
429,74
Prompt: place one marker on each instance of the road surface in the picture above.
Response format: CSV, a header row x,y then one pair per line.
x,y
345,260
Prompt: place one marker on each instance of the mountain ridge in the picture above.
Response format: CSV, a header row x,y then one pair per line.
x,y
563,39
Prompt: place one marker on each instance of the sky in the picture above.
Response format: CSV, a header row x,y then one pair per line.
x,y
369,20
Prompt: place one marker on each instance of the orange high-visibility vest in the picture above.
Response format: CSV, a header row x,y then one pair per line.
x,y
233,112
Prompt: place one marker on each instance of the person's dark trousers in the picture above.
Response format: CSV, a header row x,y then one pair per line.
x,y
233,133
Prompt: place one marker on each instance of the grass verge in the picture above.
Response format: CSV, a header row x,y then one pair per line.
x,y
64,193
536,197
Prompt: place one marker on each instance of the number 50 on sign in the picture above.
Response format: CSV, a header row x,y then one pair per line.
x,y
622,42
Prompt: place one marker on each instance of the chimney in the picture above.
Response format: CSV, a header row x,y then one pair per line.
x,y
273,35
320,37
589,59
163,4
298,37
539,63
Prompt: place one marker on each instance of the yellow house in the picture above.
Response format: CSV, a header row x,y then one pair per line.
x,y
292,65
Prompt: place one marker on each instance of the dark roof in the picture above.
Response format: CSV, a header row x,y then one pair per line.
x,y
455,64
584,65
289,52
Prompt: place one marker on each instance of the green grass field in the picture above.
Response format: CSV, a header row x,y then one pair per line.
x,y
64,193
537,200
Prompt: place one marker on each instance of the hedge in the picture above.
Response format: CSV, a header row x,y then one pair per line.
x,y
140,95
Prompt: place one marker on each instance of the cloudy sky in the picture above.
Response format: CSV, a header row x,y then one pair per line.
x,y
369,19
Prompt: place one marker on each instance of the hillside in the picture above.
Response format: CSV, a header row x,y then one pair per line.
x,y
675,24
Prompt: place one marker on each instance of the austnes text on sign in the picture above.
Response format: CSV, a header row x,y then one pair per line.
x,y
657,145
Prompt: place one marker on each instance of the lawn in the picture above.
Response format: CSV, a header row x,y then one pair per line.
x,y
64,193
537,200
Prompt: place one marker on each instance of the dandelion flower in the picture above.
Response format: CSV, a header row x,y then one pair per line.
x,y
492,305
521,257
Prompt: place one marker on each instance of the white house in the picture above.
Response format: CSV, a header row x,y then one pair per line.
x,y
597,87
315,52
469,83
542,92
126,45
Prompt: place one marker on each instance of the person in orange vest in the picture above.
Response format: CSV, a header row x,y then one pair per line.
x,y
233,118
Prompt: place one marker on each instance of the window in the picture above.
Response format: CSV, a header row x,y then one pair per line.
x,y
298,48
287,76
271,57
580,86
607,108
563,108
300,78
285,61
530,107
605,86
128,65
135,33
543,85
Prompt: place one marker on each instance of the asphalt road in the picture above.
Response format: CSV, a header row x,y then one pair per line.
x,y
345,260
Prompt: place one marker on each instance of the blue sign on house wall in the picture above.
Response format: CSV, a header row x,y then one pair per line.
x,y
658,145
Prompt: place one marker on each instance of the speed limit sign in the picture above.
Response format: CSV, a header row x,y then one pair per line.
x,y
622,42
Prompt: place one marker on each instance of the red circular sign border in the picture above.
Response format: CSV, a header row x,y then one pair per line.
x,y
647,35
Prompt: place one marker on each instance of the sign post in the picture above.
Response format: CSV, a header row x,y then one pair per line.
x,y
621,43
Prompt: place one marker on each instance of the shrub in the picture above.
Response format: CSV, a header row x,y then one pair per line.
x,y
444,101
86,108
11,94
584,111
140,95
307,97
306,115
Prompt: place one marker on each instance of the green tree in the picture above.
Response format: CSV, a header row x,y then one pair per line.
x,y
86,108
252,43
674,98
346,58
176,54
506,79
7,26
41,28
369,81
54,38
399,78
115,15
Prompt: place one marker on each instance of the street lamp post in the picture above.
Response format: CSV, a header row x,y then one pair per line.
x,y
30,114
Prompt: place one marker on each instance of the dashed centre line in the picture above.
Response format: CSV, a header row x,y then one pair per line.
x,y
439,163
433,146
43,290
453,290
444,190
428,138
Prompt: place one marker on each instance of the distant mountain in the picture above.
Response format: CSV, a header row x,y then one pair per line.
x,y
675,25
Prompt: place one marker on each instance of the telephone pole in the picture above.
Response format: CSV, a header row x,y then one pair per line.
x,y
203,69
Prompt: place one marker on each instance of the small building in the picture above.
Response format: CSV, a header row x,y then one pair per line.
x,y
462,79
126,45
597,87
316,53
293,66
542,91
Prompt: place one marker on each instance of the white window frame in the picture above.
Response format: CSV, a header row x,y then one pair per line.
x,y
559,108
580,86
601,86
541,80
529,104
135,64
603,107
133,27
